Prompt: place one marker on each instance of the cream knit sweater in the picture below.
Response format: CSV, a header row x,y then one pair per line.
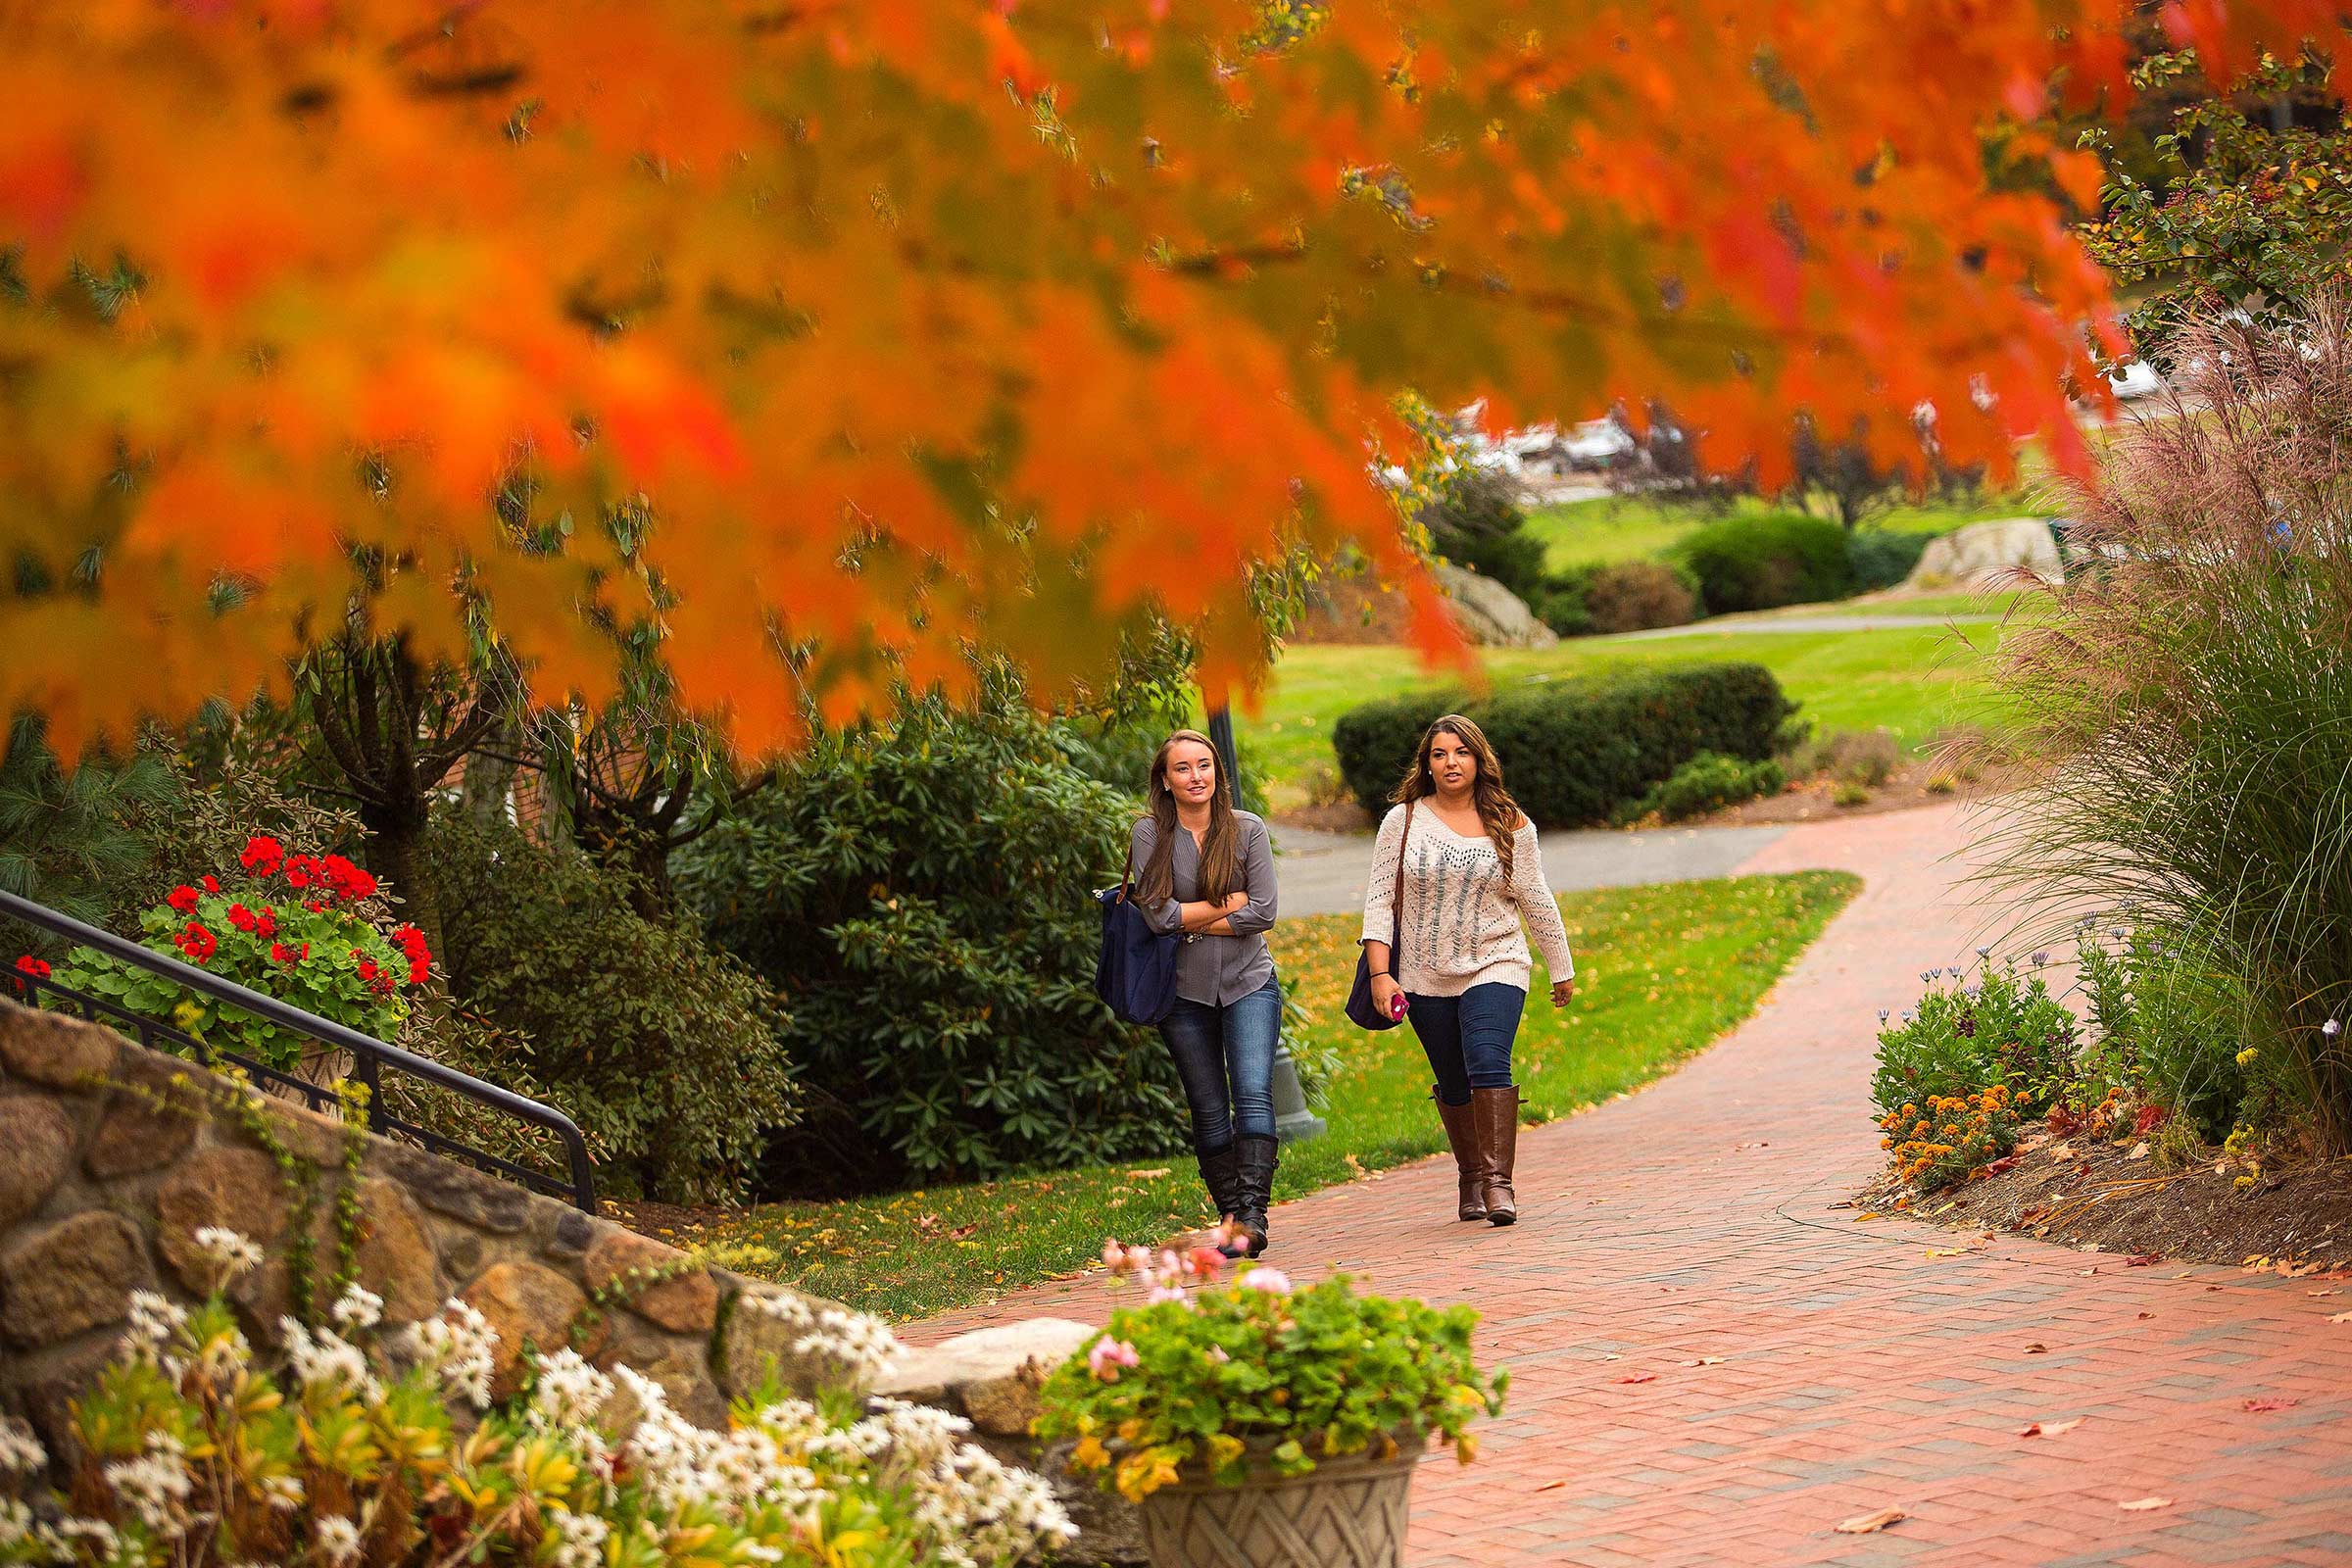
x,y
1461,925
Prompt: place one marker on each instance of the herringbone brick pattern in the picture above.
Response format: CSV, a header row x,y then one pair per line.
x,y
1712,1365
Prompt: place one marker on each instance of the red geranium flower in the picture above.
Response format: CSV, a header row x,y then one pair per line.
x,y
197,943
286,955
346,878
183,899
242,918
369,967
265,922
301,871
212,883
315,905
38,969
263,856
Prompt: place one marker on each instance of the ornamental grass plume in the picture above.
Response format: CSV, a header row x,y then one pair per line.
x,y
2185,702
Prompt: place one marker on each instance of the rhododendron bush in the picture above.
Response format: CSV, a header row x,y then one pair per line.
x,y
311,930
192,1451
912,324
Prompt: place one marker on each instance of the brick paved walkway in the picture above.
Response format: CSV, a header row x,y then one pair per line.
x,y
1847,1368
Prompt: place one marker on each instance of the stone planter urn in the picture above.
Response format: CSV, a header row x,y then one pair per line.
x,y
1347,1512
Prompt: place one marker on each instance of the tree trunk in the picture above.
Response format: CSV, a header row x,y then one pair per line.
x,y
396,850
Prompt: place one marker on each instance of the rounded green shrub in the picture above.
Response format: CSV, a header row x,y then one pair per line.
x,y
668,1052
919,896
1709,782
1638,595
1763,562
1880,559
1576,751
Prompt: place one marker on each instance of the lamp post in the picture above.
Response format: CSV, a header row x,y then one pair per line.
x,y
1294,1121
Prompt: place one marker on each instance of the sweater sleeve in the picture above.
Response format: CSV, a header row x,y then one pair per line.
x,y
1536,906
1257,877
1165,917
1380,892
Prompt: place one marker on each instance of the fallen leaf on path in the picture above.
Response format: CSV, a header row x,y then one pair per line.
x,y
2007,1162
2143,1259
2269,1403
2037,1349
1551,1486
1952,1251
2147,1314
2139,1151
1705,1360
2143,1504
1647,1376
2331,1291
1868,1214
1151,1175
2341,1317
2054,1429
1863,1524
2087,1271
2064,1151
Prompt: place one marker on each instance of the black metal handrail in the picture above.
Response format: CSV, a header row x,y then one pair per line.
x,y
369,1055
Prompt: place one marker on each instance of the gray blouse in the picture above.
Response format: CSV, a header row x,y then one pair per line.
x,y
1216,969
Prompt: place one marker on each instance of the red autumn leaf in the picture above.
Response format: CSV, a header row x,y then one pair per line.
x,y
2271,1403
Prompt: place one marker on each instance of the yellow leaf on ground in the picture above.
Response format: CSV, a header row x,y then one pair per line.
x,y
1863,1524
2143,1504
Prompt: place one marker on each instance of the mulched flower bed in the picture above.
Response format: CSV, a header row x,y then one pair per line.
x,y
2293,1217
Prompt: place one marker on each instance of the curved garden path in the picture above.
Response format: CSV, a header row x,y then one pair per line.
x,y
1712,1365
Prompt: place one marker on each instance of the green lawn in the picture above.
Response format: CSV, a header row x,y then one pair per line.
x,y
1581,533
1660,972
1912,683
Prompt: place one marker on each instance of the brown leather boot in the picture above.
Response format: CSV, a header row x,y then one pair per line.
x,y
1462,1139
1494,1115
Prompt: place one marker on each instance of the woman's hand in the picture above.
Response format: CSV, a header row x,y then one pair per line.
x,y
1384,991
1562,991
1233,903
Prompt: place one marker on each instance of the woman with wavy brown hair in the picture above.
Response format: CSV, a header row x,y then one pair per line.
x,y
1462,856
1207,870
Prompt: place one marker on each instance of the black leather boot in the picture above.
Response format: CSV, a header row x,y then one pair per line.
x,y
1221,1174
1259,1165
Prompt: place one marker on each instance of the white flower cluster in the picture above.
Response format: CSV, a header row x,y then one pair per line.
x,y
862,1345
457,1350
976,1508
155,1323
578,1540
356,1309
229,1252
21,1452
337,1539
156,1486
324,1361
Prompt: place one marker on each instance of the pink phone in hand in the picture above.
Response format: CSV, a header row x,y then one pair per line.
x,y
1397,1005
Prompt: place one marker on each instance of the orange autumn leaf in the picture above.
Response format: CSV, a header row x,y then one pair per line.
x,y
919,325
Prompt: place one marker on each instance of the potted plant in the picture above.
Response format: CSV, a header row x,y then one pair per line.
x,y
1247,1416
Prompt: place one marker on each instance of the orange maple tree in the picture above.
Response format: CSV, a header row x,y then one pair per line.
x,y
920,324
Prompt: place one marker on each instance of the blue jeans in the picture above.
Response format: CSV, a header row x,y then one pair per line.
x,y
1468,1038
1225,1057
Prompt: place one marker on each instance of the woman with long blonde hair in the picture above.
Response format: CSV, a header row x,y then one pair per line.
x,y
1454,873
1207,870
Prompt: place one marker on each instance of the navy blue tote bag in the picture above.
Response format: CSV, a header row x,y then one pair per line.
x,y
1136,974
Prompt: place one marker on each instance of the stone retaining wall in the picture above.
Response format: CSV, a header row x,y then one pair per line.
x,y
113,1156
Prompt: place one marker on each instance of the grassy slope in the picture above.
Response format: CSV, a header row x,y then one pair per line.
x,y
1912,683
1661,971
1582,532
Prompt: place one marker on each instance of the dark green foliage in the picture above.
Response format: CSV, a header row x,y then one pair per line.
x,y
1760,563
1476,523
1883,560
72,840
1574,752
2000,1028
1561,604
1708,782
666,1051
922,900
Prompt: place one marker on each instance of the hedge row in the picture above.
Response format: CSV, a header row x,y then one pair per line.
x,y
1577,750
